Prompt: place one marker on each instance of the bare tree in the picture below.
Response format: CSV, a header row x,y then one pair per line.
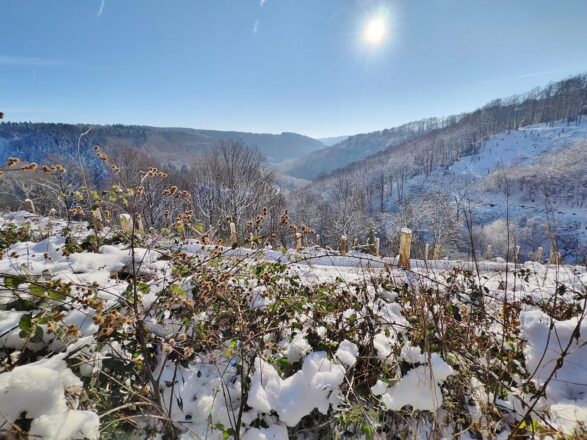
x,y
231,181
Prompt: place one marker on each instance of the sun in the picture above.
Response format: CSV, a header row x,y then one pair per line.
x,y
375,30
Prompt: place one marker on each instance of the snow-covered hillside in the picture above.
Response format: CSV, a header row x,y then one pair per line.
x,y
535,177
207,342
522,147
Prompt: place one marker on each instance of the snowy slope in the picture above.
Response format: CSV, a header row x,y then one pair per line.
x,y
519,148
545,185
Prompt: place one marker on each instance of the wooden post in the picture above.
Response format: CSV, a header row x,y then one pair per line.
x,y
342,248
530,256
517,254
539,254
489,252
98,222
426,250
552,258
377,247
233,239
139,224
437,252
29,206
126,223
298,242
405,244
318,240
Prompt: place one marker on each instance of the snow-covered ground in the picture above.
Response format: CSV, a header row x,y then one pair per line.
x,y
204,395
520,147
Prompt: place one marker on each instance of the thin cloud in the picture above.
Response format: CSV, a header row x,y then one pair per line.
x,y
529,75
262,2
29,61
30,110
256,26
102,4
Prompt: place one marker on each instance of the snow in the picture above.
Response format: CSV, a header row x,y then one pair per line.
x,y
566,392
275,432
420,387
316,378
296,396
37,391
298,348
379,388
347,353
73,425
520,147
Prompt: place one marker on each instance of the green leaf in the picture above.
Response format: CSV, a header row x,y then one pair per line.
x,y
37,290
14,282
40,292
45,320
26,323
38,336
176,289
56,295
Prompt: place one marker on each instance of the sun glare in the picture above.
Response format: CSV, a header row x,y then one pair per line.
x,y
375,30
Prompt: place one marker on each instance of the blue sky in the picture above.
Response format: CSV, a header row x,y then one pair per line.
x,y
278,65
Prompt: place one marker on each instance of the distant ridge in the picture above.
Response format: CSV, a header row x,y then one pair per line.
x,y
34,141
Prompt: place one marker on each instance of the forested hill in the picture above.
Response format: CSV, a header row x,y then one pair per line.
x,y
458,136
355,148
176,146
522,158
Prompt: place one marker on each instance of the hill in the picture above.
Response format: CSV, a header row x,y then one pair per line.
x,y
330,141
510,153
354,149
175,146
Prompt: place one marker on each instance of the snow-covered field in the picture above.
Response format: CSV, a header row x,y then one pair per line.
x,y
265,345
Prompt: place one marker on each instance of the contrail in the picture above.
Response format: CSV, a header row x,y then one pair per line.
x,y
102,4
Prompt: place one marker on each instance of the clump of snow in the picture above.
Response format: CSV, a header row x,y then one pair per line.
x,y
37,391
567,391
347,353
379,388
298,348
420,387
296,396
384,344
72,425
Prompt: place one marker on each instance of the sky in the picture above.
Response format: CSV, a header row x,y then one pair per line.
x,y
306,66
